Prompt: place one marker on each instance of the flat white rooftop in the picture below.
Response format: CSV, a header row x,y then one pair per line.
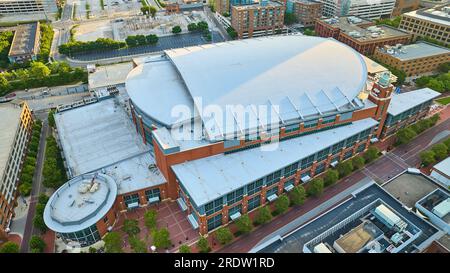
x,y
97,135
419,50
109,75
443,166
80,203
209,178
437,16
10,120
135,173
404,101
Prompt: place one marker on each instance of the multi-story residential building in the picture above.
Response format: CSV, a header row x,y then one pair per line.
x,y
361,34
27,6
222,6
414,59
306,11
360,8
402,6
25,44
16,127
428,22
222,142
258,19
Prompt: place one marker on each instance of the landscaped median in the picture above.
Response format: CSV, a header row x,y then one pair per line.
x,y
284,203
407,134
436,153
29,165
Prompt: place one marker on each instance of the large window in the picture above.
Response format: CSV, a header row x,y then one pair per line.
x,y
291,169
291,128
364,134
307,162
254,202
235,196
323,154
351,141
310,124
361,148
338,147
320,168
234,210
130,199
348,154
85,237
273,190
273,178
152,194
214,206
215,222
254,187
328,119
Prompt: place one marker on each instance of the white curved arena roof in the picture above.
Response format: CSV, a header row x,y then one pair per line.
x,y
304,76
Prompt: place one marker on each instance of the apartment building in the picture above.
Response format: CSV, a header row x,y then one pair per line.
x,y
306,11
414,59
428,22
258,19
16,127
27,6
361,34
360,8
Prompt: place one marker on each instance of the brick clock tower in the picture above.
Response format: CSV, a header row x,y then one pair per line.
x,y
381,95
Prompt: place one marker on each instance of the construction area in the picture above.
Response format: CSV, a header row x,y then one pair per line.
x,y
119,29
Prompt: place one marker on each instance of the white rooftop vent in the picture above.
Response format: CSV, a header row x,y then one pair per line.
x,y
94,187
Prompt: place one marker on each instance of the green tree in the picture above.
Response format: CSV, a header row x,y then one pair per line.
x,y
371,154
244,224
232,33
358,162
192,27
92,250
176,29
436,85
184,249
202,26
282,204
37,245
263,216
289,18
203,245
445,67
113,242
150,217
447,143
223,235
51,118
309,32
423,81
440,151
330,177
316,187
39,70
152,39
131,227
405,135
25,189
298,195
427,157
152,11
137,245
9,247
344,168
43,198
38,222
161,238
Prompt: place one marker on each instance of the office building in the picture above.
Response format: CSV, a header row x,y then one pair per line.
x,y
361,34
441,172
306,11
433,23
414,59
25,44
364,9
10,7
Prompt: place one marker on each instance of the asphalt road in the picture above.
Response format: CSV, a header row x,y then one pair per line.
x,y
36,189
381,170
166,42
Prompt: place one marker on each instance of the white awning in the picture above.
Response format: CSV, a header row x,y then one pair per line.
x,y
272,197
153,199
289,187
181,203
133,205
334,163
305,178
192,220
373,140
235,215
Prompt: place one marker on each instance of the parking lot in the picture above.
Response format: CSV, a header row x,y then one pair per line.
x,y
167,42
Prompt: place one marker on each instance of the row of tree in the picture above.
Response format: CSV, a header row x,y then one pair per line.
x,y
405,135
38,220
45,42
140,40
5,43
29,165
53,171
437,152
40,75
101,44
395,22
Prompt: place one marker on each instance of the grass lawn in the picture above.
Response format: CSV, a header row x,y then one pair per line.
x,y
444,101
